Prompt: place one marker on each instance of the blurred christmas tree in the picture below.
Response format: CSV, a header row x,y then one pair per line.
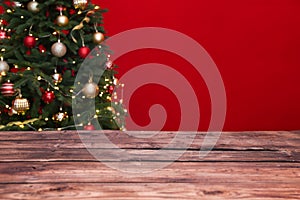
x,y
43,45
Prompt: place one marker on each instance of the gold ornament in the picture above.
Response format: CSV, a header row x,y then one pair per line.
x,y
91,89
4,67
62,20
20,105
60,116
58,49
80,4
57,78
98,38
32,6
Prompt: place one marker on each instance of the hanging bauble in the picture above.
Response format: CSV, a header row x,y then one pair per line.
x,y
29,41
111,89
7,89
62,20
32,6
48,96
109,64
60,116
80,4
57,78
89,127
42,48
90,90
20,105
4,67
58,49
98,38
12,112
3,34
84,51
16,4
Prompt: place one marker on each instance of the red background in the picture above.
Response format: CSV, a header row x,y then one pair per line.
x,y
255,44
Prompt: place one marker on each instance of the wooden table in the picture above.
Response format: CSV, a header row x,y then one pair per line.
x,y
242,165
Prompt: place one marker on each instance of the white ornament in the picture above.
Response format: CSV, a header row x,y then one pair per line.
x,y
58,49
32,6
4,67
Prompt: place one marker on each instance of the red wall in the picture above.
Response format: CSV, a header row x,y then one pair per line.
x,y
255,44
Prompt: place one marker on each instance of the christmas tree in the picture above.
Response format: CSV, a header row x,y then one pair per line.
x,y
44,44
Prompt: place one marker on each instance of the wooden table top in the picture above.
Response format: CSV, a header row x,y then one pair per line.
x,y
57,165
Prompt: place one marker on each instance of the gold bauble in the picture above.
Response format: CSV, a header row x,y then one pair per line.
x,y
62,20
60,116
98,37
32,6
57,78
80,4
20,105
4,67
90,90
58,49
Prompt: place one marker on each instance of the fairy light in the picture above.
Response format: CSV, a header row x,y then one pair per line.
x,y
39,78
46,119
40,129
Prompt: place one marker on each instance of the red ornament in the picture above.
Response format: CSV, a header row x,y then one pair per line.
x,y
72,11
48,97
42,49
89,127
3,34
84,51
111,89
7,89
66,32
28,52
29,41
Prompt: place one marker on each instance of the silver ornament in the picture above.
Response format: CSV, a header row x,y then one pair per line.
x,y
58,49
90,90
4,67
32,6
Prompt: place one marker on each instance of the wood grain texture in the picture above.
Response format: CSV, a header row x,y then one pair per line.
x,y
56,165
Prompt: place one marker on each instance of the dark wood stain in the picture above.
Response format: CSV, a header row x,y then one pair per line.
x,y
242,165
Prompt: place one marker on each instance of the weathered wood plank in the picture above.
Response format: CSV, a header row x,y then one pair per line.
x,y
57,154
228,140
145,191
56,165
285,174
